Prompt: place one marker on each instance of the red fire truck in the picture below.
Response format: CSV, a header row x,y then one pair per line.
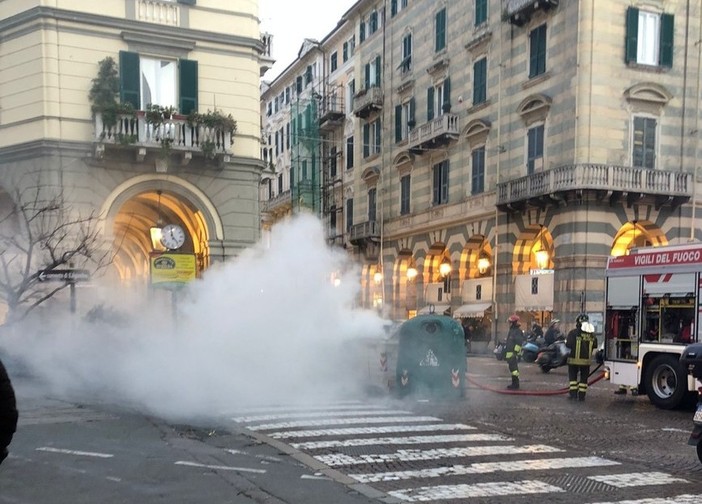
x,y
653,299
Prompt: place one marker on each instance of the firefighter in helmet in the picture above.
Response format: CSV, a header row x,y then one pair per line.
x,y
513,345
582,342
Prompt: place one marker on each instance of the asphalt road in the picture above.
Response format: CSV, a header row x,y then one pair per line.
x,y
487,447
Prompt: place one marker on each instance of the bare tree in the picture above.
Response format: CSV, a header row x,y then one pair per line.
x,y
40,233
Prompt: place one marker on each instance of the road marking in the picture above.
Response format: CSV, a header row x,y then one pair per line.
x,y
637,479
315,477
263,457
276,408
220,467
678,499
485,468
341,459
410,440
355,431
318,414
342,421
494,489
75,452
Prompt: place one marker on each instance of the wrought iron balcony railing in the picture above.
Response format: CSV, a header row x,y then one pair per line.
x,y
437,132
552,186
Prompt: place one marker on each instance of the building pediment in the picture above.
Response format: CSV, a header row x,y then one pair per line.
x,y
534,108
649,92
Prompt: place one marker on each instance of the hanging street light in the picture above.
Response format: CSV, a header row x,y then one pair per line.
x,y
445,267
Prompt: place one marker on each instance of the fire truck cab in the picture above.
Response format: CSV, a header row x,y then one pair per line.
x,y
652,310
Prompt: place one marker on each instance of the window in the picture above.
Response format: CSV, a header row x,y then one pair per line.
x,y
333,62
373,22
480,81
362,31
298,84
372,194
649,38
345,52
440,183
308,75
332,163
478,170
371,138
349,214
157,81
280,183
349,96
440,29
372,74
404,195
349,153
287,136
332,221
438,99
404,120
396,6
644,151
406,63
481,7
269,109
535,149
537,51
287,95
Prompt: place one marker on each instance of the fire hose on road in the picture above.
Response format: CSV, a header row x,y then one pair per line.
x,y
563,390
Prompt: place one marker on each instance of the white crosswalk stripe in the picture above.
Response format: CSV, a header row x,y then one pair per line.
x,y
409,440
342,421
359,431
485,468
345,430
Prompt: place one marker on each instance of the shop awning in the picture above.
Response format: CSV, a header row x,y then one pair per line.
x,y
471,310
439,309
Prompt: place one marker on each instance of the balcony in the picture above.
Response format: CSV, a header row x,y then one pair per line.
x,y
267,60
565,183
279,204
331,114
175,134
366,101
365,232
436,133
519,12
158,11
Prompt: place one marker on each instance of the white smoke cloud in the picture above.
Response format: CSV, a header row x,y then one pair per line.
x,y
268,327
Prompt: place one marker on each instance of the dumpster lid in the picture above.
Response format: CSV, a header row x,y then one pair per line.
x,y
471,310
439,309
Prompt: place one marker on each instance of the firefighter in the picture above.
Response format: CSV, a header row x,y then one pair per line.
x,y
513,345
582,342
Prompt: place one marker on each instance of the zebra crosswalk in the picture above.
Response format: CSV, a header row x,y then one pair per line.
x,y
415,458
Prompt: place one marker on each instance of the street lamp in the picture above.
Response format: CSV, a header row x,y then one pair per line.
x,y
445,267
542,255
411,273
483,265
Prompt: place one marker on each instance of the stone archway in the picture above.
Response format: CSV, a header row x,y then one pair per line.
x,y
635,234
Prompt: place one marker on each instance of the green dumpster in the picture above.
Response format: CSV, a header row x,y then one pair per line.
x,y
431,358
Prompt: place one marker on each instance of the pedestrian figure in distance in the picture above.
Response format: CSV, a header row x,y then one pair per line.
x,y
8,412
582,342
515,339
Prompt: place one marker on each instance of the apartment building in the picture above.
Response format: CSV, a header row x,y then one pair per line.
x,y
176,140
505,149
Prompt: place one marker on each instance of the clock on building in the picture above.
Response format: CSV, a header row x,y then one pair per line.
x,y
172,236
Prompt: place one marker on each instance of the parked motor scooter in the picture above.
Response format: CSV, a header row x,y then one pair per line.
x,y
691,359
553,356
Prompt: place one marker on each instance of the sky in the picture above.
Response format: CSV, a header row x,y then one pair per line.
x,y
291,22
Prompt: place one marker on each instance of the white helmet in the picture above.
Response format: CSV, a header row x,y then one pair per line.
x,y
587,327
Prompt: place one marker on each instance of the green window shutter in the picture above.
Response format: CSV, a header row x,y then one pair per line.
x,y
398,123
632,34
129,90
393,7
362,32
187,74
447,92
377,71
187,2
366,77
411,121
667,35
430,103
440,23
378,136
366,140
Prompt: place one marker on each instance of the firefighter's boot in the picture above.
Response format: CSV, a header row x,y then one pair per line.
x,y
572,394
515,384
581,396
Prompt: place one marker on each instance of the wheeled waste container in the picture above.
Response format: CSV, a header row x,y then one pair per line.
x,y
431,359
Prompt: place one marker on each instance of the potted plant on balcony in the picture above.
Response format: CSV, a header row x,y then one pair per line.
x,y
217,123
103,96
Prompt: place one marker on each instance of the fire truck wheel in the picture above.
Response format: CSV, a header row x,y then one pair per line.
x,y
665,382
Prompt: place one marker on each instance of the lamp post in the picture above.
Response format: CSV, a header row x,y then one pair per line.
x,y
542,256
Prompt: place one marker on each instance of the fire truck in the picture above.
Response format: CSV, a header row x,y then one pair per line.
x,y
653,299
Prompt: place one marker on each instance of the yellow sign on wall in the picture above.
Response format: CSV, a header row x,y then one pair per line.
x,y
169,270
